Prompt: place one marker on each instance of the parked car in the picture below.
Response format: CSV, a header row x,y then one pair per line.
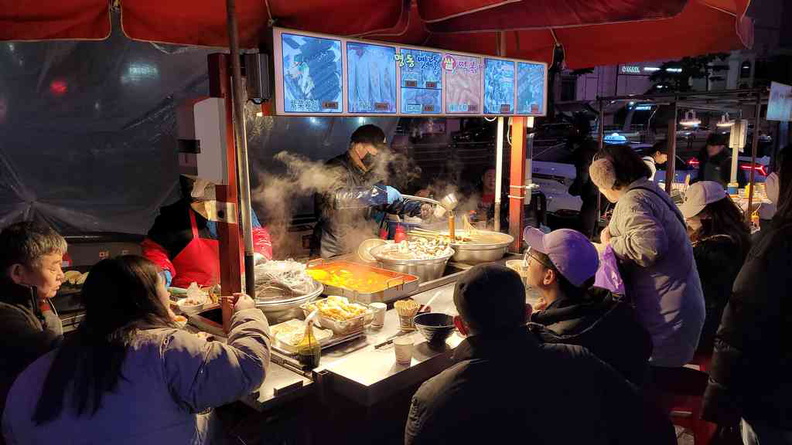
x,y
554,179
761,167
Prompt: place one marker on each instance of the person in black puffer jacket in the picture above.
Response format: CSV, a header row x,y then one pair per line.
x,y
721,240
505,387
561,266
751,376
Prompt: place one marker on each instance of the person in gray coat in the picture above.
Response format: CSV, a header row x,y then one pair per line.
x,y
129,375
648,235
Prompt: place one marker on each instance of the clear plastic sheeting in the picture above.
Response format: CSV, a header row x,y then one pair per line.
x,y
87,131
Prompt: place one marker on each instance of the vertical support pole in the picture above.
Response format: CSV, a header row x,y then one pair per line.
x,y
230,244
517,181
498,174
671,142
600,144
240,136
754,148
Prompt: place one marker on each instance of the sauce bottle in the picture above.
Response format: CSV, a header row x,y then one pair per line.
x,y
309,352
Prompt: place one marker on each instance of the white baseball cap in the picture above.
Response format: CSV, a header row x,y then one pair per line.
x,y
699,195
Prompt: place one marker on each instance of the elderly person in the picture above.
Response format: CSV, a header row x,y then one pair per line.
x,y
648,235
129,375
30,261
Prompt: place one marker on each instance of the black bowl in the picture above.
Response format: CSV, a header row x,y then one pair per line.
x,y
435,327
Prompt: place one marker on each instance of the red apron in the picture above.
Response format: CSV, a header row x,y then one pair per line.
x,y
198,262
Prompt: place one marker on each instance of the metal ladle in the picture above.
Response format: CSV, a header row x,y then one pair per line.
x,y
448,203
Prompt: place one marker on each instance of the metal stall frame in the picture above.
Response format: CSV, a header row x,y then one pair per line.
x,y
701,100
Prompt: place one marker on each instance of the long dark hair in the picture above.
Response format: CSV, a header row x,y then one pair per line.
x,y
723,217
785,186
120,295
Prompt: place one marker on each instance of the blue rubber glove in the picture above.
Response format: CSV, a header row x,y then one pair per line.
x,y
166,275
393,194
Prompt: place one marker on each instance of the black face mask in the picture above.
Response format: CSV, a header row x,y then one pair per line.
x,y
368,161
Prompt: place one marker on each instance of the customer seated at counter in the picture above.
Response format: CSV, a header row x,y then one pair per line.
x,y
506,385
561,266
721,240
30,275
129,374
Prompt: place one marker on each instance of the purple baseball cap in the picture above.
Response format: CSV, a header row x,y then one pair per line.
x,y
570,251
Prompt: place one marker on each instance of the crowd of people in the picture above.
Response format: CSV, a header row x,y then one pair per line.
x,y
586,365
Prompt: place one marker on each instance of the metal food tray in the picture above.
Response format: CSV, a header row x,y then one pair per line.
x,y
342,327
400,285
334,341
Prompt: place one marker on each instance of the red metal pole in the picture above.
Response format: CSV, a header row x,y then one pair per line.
x,y
230,243
517,181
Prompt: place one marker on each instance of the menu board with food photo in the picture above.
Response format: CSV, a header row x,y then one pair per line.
x,y
421,81
371,78
311,76
463,84
531,88
498,86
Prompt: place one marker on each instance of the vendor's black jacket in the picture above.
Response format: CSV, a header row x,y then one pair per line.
x,y
512,389
718,260
25,333
718,169
751,370
604,324
348,207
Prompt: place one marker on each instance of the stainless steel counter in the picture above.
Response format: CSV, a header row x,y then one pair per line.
x,y
368,375
359,371
280,386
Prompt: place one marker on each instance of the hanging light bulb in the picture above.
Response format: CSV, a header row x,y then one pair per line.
x,y
690,119
725,121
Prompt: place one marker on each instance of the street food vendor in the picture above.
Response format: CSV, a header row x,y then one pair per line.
x,y
184,240
358,197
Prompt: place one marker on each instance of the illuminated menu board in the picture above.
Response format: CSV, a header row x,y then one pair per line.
x,y
531,88
499,82
371,78
462,84
321,75
421,81
311,74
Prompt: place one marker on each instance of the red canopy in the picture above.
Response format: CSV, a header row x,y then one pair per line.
x,y
592,32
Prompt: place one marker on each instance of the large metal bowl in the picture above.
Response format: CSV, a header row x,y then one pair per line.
x,y
425,270
280,310
475,253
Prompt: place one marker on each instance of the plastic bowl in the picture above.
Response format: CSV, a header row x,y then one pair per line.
x,y
435,326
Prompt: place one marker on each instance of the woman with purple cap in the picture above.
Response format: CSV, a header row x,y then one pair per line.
x,y
648,236
561,266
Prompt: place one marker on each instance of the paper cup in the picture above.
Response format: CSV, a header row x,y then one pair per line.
x,y
403,349
379,314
